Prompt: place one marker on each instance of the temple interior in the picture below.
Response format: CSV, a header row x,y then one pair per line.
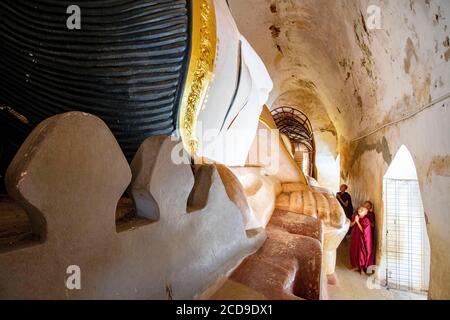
x,y
194,149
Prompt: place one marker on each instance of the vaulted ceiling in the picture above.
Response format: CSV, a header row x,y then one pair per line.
x,y
348,78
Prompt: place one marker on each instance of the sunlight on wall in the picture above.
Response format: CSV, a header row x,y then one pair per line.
x,y
402,167
407,248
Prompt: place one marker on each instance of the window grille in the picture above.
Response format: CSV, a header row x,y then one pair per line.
x,y
407,247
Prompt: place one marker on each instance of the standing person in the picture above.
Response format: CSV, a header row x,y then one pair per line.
x,y
371,216
361,256
345,200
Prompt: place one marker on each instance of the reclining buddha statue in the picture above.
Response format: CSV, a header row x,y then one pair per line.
x,y
147,68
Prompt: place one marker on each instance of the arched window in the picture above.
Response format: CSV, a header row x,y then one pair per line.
x,y
297,127
407,250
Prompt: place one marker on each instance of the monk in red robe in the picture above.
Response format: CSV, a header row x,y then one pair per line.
x,y
371,216
361,256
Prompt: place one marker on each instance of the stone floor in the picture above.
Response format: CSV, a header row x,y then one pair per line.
x,y
353,286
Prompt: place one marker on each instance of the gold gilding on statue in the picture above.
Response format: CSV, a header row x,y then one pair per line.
x,y
200,72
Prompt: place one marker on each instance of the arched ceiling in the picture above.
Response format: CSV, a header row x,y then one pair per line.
x,y
346,77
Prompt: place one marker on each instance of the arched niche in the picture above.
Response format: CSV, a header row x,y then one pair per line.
x,y
406,247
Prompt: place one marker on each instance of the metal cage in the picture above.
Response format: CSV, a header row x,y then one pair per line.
x,y
297,127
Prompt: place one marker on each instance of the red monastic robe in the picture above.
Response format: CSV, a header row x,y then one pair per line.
x,y
361,256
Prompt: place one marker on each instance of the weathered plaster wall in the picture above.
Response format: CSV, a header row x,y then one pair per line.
x,y
430,149
365,79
